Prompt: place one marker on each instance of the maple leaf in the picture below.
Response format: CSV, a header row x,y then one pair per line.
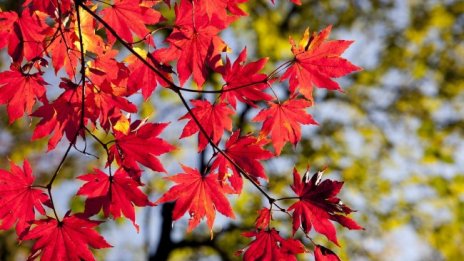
x,y
282,121
115,194
50,6
324,254
219,8
63,115
18,199
122,11
194,42
7,20
63,52
65,240
318,203
243,82
140,144
214,118
144,77
270,246
199,195
27,38
316,62
20,90
245,151
263,219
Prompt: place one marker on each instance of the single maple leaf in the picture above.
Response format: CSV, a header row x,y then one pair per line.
x,y
63,52
107,105
194,43
219,8
316,62
270,246
63,116
318,204
243,82
199,195
20,91
324,254
283,120
18,199
263,219
140,144
214,118
115,194
65,240
245,151
27,39
143,77
120,12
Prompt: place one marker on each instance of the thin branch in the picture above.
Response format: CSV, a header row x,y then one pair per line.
x,y
219,150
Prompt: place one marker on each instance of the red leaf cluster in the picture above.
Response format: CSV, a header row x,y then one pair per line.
x,y
94,103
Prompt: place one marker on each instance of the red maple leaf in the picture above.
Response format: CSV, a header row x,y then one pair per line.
x,y
27,38
63,115
219,8
122,11
194,42
20,90
243,82
270,246
63,51
318,204
316,62
143,77
18,199
65,240
7,20
245,151
108,106
214,118
140,144
324,254
50,6
115,194
199,195
263,219
283,120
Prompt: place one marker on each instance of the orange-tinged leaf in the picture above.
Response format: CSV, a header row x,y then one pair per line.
x,y
200,195
282,121
316,62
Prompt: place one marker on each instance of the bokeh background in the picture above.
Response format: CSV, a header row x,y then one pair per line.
x,y
395,136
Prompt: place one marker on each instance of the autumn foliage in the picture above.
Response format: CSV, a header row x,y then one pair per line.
x,y
78,39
